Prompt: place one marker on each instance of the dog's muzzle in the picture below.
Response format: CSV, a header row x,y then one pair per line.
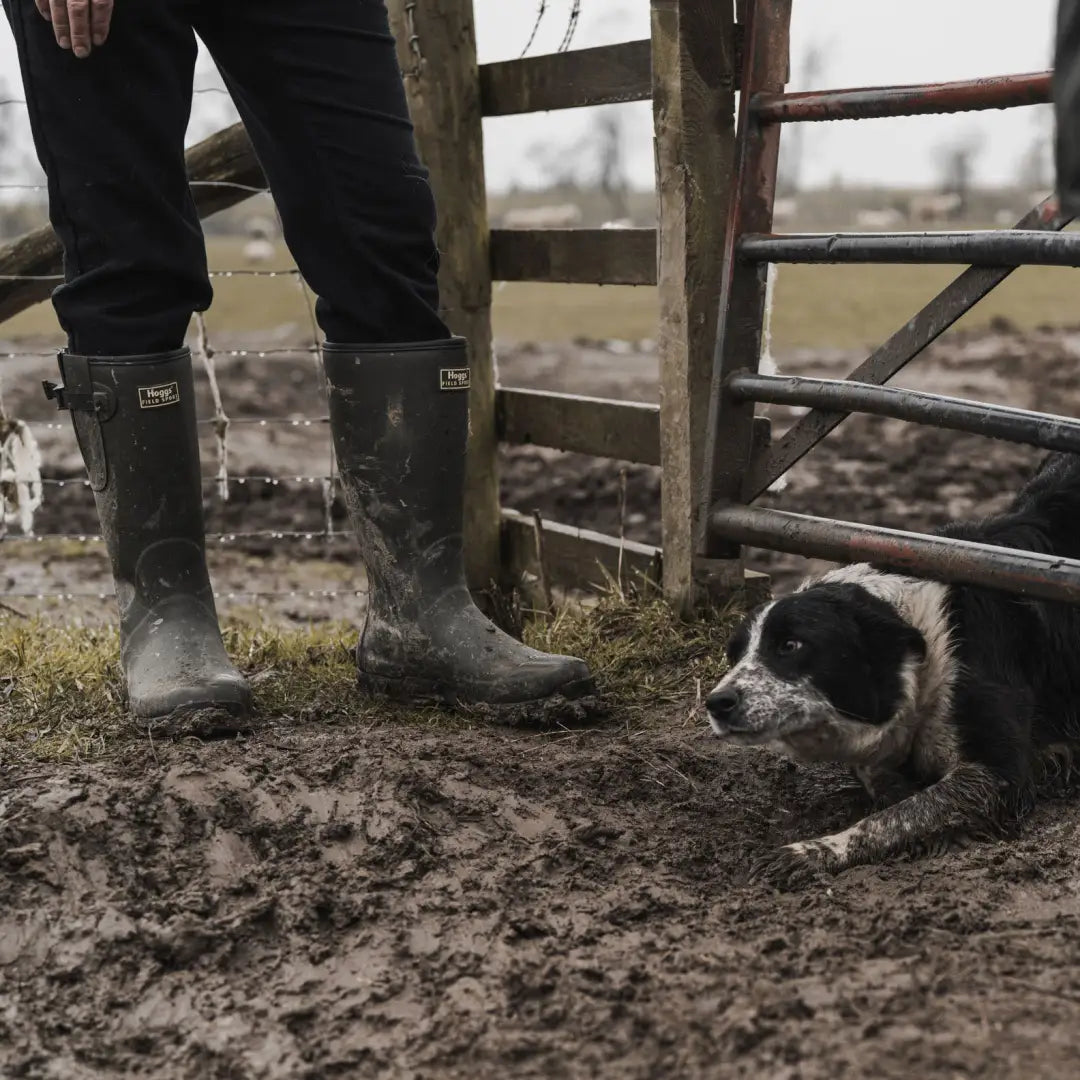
x,y
725,706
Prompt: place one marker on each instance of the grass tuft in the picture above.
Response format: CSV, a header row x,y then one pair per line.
x,y
644,655
62,699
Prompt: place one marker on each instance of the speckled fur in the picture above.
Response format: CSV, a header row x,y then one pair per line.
x,y
983,701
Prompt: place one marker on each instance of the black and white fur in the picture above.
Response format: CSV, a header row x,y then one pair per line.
x,y
948,702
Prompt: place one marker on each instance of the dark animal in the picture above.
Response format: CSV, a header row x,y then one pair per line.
x,y
949,702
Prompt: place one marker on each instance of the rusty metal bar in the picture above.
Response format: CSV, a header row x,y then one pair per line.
x,y
729,437
954,300
1029,573
987,247
867,102
938,410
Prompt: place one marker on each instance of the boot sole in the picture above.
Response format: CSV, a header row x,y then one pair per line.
x,y
573,703
205,721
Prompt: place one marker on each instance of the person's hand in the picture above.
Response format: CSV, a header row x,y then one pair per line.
x,y
79,25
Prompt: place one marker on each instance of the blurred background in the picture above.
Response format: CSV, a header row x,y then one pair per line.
x,y
591,167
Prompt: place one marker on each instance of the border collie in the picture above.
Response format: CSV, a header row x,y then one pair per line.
x,y
949,702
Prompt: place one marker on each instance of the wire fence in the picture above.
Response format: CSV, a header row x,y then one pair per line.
x,y
222,484
19,479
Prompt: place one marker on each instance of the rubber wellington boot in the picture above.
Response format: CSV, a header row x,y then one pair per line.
x,y
134,419
399,416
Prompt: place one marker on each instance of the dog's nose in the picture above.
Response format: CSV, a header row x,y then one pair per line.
x,y
721,703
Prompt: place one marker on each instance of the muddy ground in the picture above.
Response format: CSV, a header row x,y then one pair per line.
x,y
320,901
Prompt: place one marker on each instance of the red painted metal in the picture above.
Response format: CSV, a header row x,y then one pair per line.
x,y
729,440
737,471
861,103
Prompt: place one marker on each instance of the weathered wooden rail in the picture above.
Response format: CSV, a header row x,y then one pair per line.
x,y
689,69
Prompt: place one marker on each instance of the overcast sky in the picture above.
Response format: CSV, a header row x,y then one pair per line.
x,y
860,44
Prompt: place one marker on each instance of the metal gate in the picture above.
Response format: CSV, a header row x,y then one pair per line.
x,y
738,469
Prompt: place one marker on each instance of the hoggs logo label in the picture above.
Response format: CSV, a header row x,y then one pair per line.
x,y
153,397
454,378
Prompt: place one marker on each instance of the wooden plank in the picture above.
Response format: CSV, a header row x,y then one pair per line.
x,y
606,75
224,163
576,558
437,50
626,430
694,68
582,559
580,256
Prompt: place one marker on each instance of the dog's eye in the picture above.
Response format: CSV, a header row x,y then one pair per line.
x,y
786,648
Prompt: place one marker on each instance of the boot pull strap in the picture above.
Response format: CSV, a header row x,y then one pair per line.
x,y
90,397
72,400
90,405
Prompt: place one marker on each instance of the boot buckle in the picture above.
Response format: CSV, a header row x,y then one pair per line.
x,y
99,401
91,404
65,398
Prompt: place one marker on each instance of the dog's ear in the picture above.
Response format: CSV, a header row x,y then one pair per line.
x,y
882,629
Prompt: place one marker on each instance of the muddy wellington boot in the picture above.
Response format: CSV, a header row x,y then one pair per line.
x,y
134,419
399,415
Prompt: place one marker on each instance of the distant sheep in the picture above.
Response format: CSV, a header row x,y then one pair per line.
x,y
933,209
879,220
259,247
561,216
784,209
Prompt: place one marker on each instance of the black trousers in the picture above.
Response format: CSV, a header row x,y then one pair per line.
x,y
318,86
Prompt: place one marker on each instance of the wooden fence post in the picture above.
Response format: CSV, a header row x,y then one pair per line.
x,y
437,47
694,64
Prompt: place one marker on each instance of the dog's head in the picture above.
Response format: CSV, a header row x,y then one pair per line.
x,y
817,673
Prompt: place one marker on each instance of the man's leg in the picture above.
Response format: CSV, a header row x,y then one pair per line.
x,y
109,132
320,90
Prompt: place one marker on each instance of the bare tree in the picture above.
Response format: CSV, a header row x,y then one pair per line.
x,y
1035,169
595,160
955,162
7,131
211,108
611,161
793,142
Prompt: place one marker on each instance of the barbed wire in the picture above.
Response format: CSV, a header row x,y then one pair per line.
x,y
240,481
568,34
413,41
212,273
220,423
216,538
261,421
284,350
194,90
229,594
571,26
541,11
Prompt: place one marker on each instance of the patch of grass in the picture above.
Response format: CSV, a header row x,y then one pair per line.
x,y
646,658
61,690
846,306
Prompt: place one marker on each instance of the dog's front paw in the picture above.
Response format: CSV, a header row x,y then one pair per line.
x,y
794,865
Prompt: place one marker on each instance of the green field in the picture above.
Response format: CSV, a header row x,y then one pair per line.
x,y
838,306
